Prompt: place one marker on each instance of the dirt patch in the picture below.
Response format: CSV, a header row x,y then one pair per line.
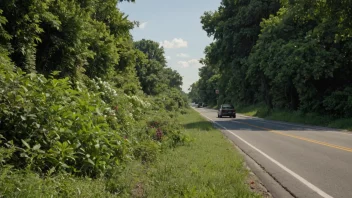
x,y
138,190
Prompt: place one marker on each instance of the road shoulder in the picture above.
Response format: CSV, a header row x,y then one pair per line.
x,y
265,184
259,180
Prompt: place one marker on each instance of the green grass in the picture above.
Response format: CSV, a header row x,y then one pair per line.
x,y
209,166
296,117
29,185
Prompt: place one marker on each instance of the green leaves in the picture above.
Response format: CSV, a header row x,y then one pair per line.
x,y
235,27
25,144
76,104
51,120
74,37
296,57
153,75
81,132
36,147
301,36
4,36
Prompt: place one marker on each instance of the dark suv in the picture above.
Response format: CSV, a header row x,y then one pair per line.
x,y
227,110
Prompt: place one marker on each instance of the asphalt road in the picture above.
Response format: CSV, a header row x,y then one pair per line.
x,y
306,161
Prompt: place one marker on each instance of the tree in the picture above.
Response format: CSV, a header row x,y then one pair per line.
x,y
314,66
151,68
194,93
235,28
173,77
152,50
297,57
74,37
24,19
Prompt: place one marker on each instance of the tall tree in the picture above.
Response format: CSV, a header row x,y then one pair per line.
x,y
24,24
297,57
151,68
73,36
235,28
304,53
152,50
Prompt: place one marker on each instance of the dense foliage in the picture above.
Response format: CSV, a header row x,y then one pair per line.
x,y
77,95
287,54
151,69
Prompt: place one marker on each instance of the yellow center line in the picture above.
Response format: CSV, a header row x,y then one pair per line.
x,y
300,138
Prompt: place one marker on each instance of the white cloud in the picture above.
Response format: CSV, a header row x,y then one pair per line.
x,y
175,43
183,64
168,57
190,63
143,25
182,55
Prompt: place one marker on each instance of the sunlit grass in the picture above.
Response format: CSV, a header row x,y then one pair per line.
x,y
209,167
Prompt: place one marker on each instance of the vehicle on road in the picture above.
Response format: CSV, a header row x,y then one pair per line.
x,y
227,110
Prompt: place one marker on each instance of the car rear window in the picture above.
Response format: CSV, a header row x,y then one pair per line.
x,y
227,106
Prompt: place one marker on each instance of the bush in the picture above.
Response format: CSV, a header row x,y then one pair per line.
x,y
147,151
88,130
53,126
339,103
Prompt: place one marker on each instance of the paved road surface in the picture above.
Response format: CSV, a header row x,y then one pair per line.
x,y
307,161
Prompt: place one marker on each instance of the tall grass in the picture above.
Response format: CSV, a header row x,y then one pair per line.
x,y
208,167
27,184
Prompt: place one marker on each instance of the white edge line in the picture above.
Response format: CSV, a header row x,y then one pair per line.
x,y
295,175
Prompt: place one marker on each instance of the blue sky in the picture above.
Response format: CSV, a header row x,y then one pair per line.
x,y
176,25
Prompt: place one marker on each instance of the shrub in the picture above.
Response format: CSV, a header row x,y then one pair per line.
x,y
53,126
86,130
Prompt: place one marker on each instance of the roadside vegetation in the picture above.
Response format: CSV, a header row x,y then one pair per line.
x,y
80,100
209,166
291,60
